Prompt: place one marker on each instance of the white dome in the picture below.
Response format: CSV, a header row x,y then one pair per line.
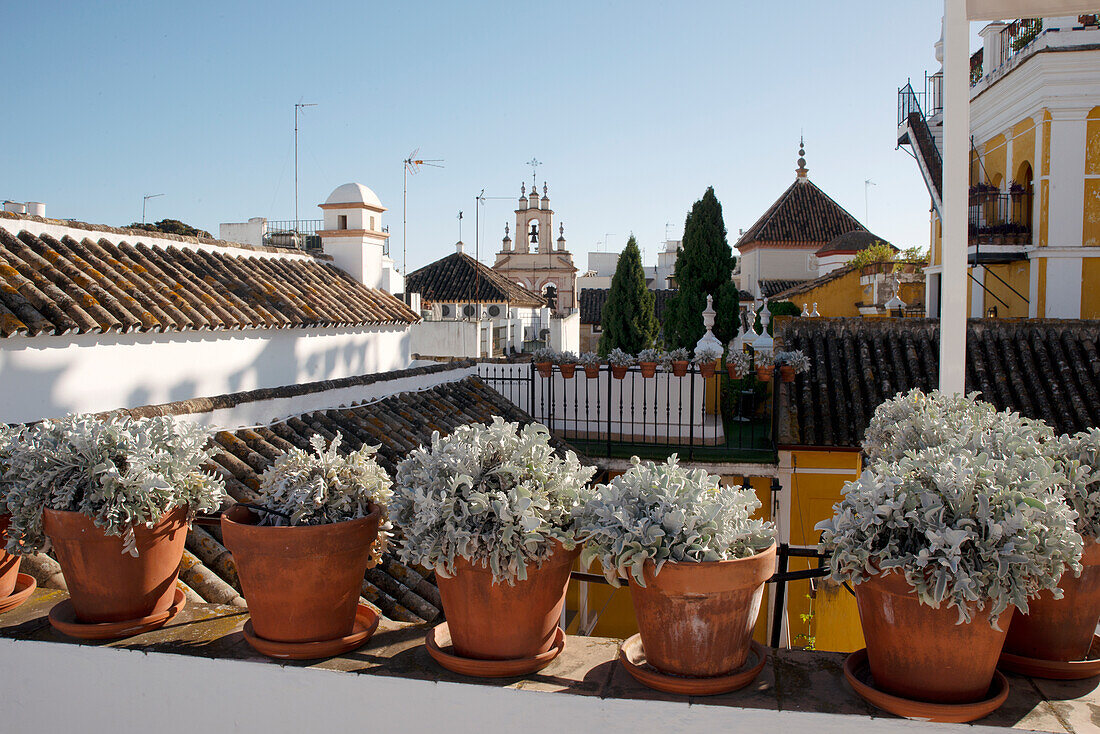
x,y
353,193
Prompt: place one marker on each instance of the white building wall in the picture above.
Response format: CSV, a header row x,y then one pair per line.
x,y
48,376
444,338
250,233
565,333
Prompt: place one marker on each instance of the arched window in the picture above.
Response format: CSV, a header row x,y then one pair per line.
x,y
550,292
1021,194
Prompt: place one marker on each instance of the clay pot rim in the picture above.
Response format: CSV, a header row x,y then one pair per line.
x,y
25,584
300,531
559,557
681,569
65,520
62,618
1053,669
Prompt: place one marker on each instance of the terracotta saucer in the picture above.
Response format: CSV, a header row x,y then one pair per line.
x,y
858,674
63,619
1054,669
366,622
632,656
24,587
438,642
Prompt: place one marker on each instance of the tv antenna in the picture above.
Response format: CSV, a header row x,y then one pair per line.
x,y
144,200
867,184
298,107
459,225
412,164
479,201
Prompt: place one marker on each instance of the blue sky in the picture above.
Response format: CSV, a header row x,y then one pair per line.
x,y
633,108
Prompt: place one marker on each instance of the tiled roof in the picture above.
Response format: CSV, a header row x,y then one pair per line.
x,y
804,286
50,286
593,300
1047,369
852,242
459,278
771,288
803,213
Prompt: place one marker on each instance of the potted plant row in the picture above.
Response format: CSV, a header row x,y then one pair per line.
x,y
620,362
706,358
544,359
591,362
696,561
647,361
489,509
959,519
15,587
737,363
790,364
113,497
302,549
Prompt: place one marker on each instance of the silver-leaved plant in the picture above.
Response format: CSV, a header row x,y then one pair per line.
x,y
664,512
118,471
1078,457
497,495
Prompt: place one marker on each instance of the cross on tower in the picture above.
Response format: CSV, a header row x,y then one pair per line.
x,y
534,163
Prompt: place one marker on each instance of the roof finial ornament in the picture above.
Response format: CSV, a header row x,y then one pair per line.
x,y
522,190
802,170
545,191
507,231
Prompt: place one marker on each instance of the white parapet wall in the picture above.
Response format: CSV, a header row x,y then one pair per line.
x,y
444,339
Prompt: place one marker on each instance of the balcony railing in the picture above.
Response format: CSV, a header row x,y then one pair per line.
x,y
1017,35
1000,218
300,233
654,417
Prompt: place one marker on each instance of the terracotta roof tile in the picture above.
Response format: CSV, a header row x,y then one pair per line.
x,y
802,213
459,278
593,299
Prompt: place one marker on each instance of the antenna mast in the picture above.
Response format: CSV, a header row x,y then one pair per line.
x,y
411,164
297,107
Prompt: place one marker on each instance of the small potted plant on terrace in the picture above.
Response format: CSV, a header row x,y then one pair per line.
x,y
489,508
567,363
591,363
544,358
959,518
15,587
696,561
765,365
302,549
647,361
737,363
707,359
1053,639
620,362
791,364
678,360
114,496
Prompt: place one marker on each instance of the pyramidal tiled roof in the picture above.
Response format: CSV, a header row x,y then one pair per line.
x,y
462,279
52,287
802,214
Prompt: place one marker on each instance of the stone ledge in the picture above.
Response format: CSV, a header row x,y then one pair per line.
x,y
792,680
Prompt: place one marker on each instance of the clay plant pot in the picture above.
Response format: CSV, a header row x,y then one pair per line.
x,y
649,369
545,368
696,619
618,371
108,585
592,371
1061,629
9,564
764,374
734,371
568,370
301,583
919,653
706,369
786,373
680,367
489,621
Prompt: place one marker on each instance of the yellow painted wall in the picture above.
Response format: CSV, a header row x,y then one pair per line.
x,y
836,298
994,160
1041,296
1016,275
1091,224
1090,296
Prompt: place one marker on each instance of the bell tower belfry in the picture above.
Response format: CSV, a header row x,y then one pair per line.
x,y
538,259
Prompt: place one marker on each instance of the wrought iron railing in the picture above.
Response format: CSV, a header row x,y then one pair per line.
x,y
603,415
1017,35
998,217
300,233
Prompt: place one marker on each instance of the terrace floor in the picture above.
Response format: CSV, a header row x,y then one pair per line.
x,y
793,687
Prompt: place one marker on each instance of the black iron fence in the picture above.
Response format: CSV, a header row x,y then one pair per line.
x,y
999,217
654,416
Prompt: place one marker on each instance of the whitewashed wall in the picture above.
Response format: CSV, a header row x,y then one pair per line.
x,y
444,338
48,376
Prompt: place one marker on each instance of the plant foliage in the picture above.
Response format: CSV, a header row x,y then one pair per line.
x,y
628,321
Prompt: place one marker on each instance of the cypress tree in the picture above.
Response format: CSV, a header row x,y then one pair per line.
x,y
704,266
628,320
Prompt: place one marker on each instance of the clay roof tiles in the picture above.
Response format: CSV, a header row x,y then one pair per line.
x,y
802,214
459,278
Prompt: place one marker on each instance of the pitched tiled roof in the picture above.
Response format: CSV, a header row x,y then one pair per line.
x,y
459,278
804,286
1047,369
593,300
50,286
803,213
852,242
771,288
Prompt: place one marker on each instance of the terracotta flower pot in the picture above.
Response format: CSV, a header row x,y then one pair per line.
x,y
1061,629
301,583
696,619
706,369
107,585
649,369
592,371
9,564
918,652
568,370
491,621
545,368
734,371
618,371
764,374
786,373
680,367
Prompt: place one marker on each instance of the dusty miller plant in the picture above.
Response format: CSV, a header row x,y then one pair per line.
x,y
544,354
118,471
649,355
589,358
619,358
325,486
496,495
976,517
664,512
707,354
739,359
1078,457
567,357
796,360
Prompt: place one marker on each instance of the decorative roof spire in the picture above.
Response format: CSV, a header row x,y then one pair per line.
x,y
802,171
